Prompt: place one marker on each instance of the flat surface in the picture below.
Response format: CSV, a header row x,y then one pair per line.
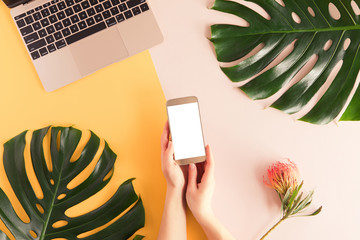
x,y
123,103
245,138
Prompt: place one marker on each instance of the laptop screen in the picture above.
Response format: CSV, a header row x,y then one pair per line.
x,y
14,3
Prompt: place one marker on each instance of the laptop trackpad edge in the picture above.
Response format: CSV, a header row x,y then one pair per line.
x,y
98,50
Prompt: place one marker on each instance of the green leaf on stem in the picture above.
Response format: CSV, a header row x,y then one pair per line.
x,y
303,203
285,199
295,193
316,212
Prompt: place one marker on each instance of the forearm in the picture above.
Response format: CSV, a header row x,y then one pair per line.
x,y
173,223
213,228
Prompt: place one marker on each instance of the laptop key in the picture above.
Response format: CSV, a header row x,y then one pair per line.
x,y
30,12
31,37
61,5
58,35
77,1
74,28
93,2
29,19
50,39
98,18
26,30
37,16
144,7
42,33
69,12
45,13
38,8
35,55
99,8
82,25
43,51
53,19
53,9
85,4
122,7
82,15
36,26
60,44
20,16
90,21
66,32
58,26
110,22
128,14
21,23
120,17
50,29
45,22
77,8
136,11
115,2
85,33
90,12
107,4
61,15
51,48
74,19
69,2
106,14
36,45
46,4
66,22
114,11
133,3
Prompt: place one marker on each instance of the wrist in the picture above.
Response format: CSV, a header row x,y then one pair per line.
x,y
204,216
175,193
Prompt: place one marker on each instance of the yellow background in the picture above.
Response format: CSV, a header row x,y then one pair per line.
x,y
123,103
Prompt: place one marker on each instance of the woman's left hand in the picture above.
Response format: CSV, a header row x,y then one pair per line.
x,y
175,175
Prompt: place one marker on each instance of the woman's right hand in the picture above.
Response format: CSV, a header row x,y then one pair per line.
x,y
201,187
199,193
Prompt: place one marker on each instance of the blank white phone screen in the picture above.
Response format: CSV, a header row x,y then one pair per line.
x,y
186,131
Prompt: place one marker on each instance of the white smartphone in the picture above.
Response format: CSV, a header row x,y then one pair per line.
x,y
186,131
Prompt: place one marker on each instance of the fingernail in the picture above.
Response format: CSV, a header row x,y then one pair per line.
x,y
192,165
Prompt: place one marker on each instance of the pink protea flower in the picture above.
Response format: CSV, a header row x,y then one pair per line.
x,y
282,176
284,179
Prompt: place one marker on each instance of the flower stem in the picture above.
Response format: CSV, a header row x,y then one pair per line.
x,y
273,227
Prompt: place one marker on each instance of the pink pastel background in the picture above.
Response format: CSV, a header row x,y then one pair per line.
x,y
246,137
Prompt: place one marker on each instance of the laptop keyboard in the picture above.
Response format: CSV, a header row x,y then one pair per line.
x,y
59,23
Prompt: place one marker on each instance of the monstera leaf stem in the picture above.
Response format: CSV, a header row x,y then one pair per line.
x,y
46,222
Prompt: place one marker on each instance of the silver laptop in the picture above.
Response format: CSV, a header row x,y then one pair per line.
x,y
69,39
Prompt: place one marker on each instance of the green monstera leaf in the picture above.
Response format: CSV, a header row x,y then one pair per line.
x,y
310,24
124,211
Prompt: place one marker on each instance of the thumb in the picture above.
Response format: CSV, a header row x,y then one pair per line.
x,y
169,151
192,184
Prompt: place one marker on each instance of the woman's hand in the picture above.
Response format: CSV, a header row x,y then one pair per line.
x,y
174,174
201,187
199,194
173,223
